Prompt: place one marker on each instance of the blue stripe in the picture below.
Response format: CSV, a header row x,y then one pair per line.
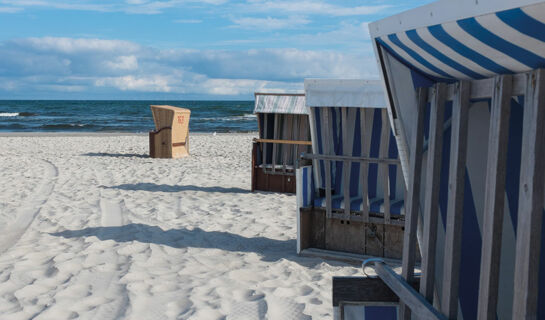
x,y
356,152
413,35
470,260
392,169
417,57
440,34
374,152
471,26
520,21
395,208
305,187
337,166
380,312
421,73
514,153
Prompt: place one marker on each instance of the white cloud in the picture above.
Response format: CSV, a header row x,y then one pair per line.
x,y
313,7
190,21
10,9
91,65
269,23
128,6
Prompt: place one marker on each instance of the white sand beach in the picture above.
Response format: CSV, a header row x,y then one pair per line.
x,y
92,228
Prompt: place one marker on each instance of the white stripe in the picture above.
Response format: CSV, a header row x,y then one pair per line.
x,y
407,57
502,30
449,52
455,31
536,11
430,58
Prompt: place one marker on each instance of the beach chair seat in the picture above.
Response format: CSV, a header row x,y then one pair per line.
x,y
376,205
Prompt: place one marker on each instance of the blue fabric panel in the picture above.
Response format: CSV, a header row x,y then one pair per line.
x,y
420,80
413,35
356,152
471,26
392,169
305,187
518,20
337,166
396,207
470,261
471,236
440,34
514,151
374,152
380,313
417,57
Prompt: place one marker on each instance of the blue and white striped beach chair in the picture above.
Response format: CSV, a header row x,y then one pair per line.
x,y
467,99
355,184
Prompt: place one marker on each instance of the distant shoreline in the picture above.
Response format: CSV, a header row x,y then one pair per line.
x,y
108,134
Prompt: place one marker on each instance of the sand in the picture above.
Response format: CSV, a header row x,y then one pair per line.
x,y
92,228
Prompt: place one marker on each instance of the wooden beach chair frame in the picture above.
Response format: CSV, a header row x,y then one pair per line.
x,y
443,284
275,153
367,226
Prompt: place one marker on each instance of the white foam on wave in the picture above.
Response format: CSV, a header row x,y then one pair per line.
x,y
9,114
246,116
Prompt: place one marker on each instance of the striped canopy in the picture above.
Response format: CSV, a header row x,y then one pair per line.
x,y
280,103
454,40
505,42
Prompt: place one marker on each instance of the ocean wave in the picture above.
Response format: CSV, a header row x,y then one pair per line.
x,y
63,126
246,116
17,114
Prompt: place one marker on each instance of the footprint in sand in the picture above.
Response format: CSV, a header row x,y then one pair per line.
x,y
259,307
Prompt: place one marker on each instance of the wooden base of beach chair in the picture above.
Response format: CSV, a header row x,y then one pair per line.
x,y
274,182
365,238
162,146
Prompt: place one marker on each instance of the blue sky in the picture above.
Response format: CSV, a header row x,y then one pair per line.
x,y
182,49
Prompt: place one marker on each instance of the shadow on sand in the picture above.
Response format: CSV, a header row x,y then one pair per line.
x,y
269,249
116,155
152,187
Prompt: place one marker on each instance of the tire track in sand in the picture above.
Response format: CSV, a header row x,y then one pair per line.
x,y
11,233
105,280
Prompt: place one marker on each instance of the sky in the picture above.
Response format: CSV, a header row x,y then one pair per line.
x,y
183,49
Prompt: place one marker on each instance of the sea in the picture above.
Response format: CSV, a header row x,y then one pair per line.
x,y
120,116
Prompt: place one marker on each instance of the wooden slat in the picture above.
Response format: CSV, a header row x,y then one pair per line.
x,y
453,233
349,158
531,192
296,142
494,197
415,170
346,164
383,153
361,290
364,169
327,162
410,297
431,195
287,131
275,136
484,88
328,188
